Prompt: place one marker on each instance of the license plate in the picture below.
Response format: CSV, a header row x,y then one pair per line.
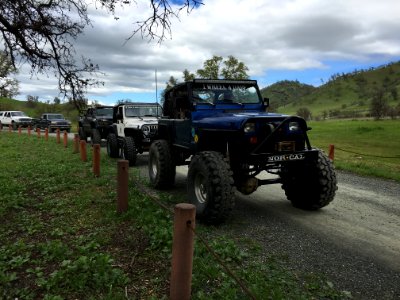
x,y
286,157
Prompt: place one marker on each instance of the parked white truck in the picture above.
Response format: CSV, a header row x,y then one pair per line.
x,y
15,118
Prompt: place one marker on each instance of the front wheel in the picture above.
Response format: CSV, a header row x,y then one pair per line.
x,y
162,169
210,186
310,186
129,151
112,145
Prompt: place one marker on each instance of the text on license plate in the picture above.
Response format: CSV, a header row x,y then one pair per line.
x,y
286,157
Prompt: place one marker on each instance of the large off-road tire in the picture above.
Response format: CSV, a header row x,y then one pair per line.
x,y
112,145
96,137
210,186
129,151
310,186
82,134
162,169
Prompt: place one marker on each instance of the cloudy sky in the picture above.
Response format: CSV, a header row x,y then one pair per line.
x,y
305,40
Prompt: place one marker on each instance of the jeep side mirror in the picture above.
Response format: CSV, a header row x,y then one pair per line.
x,y
266,102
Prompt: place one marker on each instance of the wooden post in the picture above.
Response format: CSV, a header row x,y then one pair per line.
x,y
75,149
331,152
38,132
122,185
9,128
96,160
46,134
58,135
182,251
19,130
82,149
65,139
29,130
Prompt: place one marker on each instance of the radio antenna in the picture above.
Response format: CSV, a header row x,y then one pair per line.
x,y
155,74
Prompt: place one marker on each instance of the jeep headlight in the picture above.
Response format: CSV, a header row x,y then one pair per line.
x,y
249,127
294,126
145,129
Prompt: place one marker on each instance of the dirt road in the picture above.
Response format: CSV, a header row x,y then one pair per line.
x,y
354,241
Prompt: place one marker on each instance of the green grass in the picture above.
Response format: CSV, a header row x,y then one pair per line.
x,y
365,147
61,237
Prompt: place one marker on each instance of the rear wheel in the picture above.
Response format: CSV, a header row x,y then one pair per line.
x,y
129,151
311,186
96,137
210,186
162,168
112,145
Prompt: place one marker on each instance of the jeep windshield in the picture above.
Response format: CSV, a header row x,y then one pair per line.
x,y
225,92
104,112
141,111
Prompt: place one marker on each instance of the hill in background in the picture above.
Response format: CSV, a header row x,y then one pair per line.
x,y
344,95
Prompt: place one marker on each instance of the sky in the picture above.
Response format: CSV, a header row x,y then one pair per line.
x,y
304,40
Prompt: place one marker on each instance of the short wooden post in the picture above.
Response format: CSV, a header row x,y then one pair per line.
x,y
65,139
19,130
75,149
29,130
82,150
9,128
58,135
122,185
46,134
38,132
96,160
182,251
331,152
1,126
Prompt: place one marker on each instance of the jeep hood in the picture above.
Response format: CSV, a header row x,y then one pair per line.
x,y
232,120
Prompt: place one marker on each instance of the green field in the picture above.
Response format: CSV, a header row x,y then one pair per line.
x,y
61,237
365,147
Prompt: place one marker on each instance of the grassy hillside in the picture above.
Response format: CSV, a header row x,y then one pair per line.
x,y
344,95
286,92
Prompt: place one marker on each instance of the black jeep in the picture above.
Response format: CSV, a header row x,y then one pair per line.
x,y
95,122
222,130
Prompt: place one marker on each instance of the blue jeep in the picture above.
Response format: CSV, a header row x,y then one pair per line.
x,y
221,129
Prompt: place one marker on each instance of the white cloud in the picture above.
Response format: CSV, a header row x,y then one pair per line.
x,y
265,34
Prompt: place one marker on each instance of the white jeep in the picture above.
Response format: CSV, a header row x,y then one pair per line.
x,y
134,126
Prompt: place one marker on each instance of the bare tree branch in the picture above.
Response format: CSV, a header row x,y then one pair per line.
x,y
42,34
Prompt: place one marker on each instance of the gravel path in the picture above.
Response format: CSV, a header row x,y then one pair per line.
x,y
355,241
